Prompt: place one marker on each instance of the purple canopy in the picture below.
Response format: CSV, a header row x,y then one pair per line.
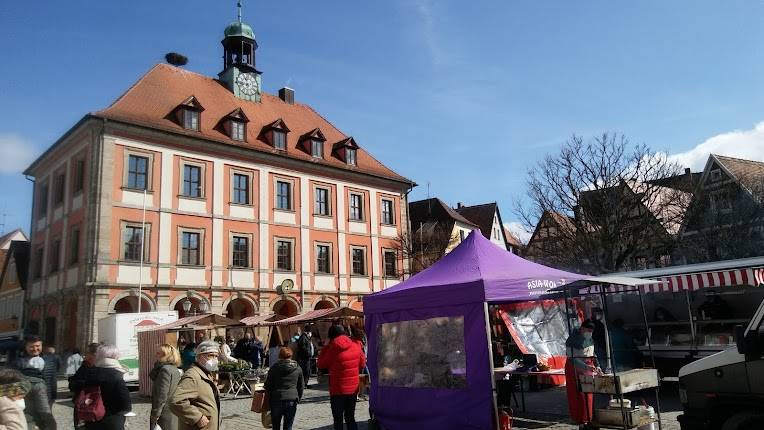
x,y
455,288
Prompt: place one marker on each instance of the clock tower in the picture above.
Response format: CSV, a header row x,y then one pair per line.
x,y
239,73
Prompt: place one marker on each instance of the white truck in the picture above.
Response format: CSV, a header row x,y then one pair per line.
x,y
121,330
726,390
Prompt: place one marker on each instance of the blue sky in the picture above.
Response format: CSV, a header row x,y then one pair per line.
x,y
465,96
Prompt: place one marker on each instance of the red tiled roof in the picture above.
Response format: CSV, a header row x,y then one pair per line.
x,y
150,101
512,240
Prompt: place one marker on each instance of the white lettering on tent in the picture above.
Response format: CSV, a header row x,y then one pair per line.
x,y
541,283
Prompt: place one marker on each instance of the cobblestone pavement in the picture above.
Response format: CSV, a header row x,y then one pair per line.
x,y
545,410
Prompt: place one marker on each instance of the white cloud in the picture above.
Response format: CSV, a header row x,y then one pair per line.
x,y
746,144
427,15
519,231
15,153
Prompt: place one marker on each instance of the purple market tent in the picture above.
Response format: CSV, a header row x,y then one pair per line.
x,y
428,339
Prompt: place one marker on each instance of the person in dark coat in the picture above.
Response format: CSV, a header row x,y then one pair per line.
x,y
32,365
344,359
165,377
108,375
50,372
77,381
285,387
304,353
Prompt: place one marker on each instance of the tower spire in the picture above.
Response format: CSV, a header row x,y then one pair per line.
x,y
238,9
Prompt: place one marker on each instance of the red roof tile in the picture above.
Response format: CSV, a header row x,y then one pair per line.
x,y
150,101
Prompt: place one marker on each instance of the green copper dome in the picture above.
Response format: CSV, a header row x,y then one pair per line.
x,y
237,28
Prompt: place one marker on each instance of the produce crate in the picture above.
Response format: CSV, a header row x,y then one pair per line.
x,y
614,417
631,380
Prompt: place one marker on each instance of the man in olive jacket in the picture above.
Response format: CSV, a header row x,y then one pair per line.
x,y
196,401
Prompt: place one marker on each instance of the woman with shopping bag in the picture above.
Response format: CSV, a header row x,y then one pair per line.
x,y
283,387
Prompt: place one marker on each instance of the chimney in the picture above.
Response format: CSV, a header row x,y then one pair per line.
x,y
287,95
459,205
687,171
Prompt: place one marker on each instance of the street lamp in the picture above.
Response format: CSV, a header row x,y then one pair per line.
x,y
203,307
186,306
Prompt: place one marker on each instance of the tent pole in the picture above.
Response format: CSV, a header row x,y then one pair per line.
x,y
487,323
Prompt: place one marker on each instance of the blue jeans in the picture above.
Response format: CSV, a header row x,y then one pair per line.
x,y
285,409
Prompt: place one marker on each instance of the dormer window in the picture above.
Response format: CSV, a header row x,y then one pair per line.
x,y
188,114
190,119
347,151
237,130
279,140
350,156
317,148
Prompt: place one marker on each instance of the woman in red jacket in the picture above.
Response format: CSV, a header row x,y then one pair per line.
x,y
344,359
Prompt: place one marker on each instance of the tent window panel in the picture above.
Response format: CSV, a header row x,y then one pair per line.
x,y
438,360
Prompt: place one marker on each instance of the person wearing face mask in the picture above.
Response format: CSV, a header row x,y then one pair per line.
x,y
582,360
196,401
13,387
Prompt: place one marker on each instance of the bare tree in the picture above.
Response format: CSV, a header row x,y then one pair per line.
x,y
610,206
426,244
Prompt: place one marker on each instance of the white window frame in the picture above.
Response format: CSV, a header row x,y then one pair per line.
x,y
191,118
291,183
316,148
281,146
328,200
385,252
250,244
250,184
291,242
202,178
330,255
392,211
201,232
353,248
149,168
238,130
360,207
146,241
351,160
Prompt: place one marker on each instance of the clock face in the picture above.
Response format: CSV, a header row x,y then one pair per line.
x,y
248,84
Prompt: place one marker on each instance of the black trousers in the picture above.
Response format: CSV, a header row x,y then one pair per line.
x,y
305,366
343,406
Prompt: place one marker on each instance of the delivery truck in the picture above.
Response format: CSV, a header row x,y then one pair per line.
x,y
726,390
121,330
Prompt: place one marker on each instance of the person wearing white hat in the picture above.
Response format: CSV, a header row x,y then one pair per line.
x,y
196,401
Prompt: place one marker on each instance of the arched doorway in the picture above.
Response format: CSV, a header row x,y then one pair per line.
x,y
194,310
285,308
239,308
129,304
324,304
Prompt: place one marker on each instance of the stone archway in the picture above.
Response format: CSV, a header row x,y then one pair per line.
x,y
324,304
195,299
239,308
129,304
286,307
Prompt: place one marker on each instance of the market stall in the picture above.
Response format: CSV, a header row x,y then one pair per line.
x,y
151,338
429,343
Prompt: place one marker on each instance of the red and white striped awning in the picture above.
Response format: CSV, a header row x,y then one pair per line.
x,y
753,276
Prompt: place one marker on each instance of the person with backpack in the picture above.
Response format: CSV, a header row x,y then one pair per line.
x,y
344,359
304,353
82,374
165,377
104,399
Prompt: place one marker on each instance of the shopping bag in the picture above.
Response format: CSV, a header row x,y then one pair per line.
x,y
265,417
258,401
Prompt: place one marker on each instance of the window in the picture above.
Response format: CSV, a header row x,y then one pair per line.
x,y
133,238
391,264
38,262
137,172
317,148
240,252
461,236
192,180
79,175
716,175
55,254
241,189
284,195
190,119
74,250
387,212
284,254
322,202
190,248
238,130
356,207
43,203
350,156
279,140
359,261
323,259
720,201
60,187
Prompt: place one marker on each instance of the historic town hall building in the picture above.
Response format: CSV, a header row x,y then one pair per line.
x,y
253,204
